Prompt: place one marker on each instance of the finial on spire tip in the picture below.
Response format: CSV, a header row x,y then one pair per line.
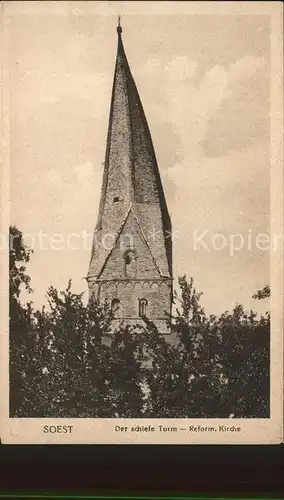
x,y
119,29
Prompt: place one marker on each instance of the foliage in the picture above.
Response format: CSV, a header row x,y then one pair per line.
x,y
219,366
264,293
20,334
61,364
65,362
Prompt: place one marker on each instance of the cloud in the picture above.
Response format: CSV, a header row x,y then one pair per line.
x,y
34,89
243,120
226,191
227,195
245,68
234,97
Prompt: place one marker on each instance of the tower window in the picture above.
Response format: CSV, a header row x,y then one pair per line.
x,y
130,261
116,199
142,307
127,259
115,307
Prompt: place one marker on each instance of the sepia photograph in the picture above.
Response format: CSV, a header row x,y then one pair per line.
x,y
142,222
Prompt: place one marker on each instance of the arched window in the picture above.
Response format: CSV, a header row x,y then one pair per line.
x,y
115,307
142,307
130,261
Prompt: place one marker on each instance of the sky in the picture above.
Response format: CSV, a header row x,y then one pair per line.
x,y
204,82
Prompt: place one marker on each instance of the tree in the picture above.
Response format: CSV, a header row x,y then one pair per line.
x,y
219,366
264,293
20,317
60,362
244,355
184,380
79,373
65,360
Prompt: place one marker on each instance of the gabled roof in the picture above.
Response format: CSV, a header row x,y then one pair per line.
x,y
142,237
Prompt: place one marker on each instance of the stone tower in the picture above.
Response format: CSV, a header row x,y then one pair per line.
x,y
131,260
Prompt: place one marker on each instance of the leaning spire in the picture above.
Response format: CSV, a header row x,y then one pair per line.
x,y
131,177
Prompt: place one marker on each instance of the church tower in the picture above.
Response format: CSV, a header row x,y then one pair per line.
x,y
131,259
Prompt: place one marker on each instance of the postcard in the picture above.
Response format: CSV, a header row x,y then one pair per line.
x,y
141,223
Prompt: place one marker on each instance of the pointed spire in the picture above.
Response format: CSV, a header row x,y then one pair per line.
x,y
119,28
131,174
129,143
